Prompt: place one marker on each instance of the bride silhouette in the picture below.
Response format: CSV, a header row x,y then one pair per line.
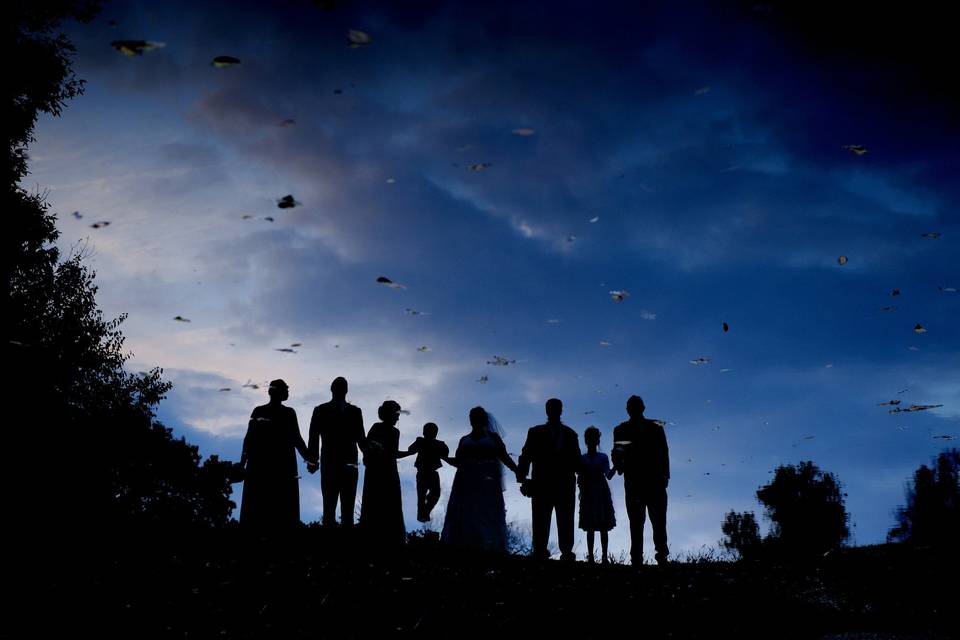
x,y
476,516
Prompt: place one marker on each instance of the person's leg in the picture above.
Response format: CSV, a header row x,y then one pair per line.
x,y
604,539
348,494
433,492
590,545
636,513
566,505
422,489
330,490
657,504
541,507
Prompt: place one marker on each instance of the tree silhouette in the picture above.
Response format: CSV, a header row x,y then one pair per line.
x,y
91,419
806,508
742,534
932,513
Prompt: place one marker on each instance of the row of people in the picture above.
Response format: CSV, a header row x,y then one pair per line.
x,y
475,514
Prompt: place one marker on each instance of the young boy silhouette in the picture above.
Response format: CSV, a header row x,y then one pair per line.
x,y
430,452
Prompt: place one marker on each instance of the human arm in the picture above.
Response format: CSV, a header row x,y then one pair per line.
x,y
505,457
313,438
526,457
298,442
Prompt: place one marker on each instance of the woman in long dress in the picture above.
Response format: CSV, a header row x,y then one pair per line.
x,y
271,492
381,509
476,516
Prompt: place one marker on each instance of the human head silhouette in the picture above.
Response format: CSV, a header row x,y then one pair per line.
x,y
554,409
592,436
389,412
278,390
339,388
430,431
635,407
478,418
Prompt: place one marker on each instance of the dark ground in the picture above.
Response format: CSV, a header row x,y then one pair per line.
x,y
219,586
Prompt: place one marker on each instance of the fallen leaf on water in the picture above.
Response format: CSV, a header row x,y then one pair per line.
x,y
726,327
483,379
224,389
919,328
854,148
619,296
287,202
357,38
699,361
842,260
101,224
500,361
523,131
77,215
933,235
181,319
423,349
604,343
225,61
889,403
133,48
947,289
647,315
390,283
285,350
595,219
915,407
479,166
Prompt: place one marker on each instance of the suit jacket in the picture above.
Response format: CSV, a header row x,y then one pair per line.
x,y
553,459
640,451
340,431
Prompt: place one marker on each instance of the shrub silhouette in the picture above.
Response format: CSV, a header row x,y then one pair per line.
x,y
742,534
806,508
931,515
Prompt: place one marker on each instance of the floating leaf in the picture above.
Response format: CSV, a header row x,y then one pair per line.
x,y
619,296
842,260
647,315
919,328
500,361
133,48
77,215
101,224
285,350
357,38
947,289
595,219
287,202
915,407
483,379
523,131
855,148
225,61
181,319
699,361
889,403
423,349
933,235
726,327
479,166
390,283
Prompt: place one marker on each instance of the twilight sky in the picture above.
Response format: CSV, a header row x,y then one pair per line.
x,y
511,167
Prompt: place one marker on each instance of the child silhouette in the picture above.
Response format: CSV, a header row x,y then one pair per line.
x,y
596,505
430,452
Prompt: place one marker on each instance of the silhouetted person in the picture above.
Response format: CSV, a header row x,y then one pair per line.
x,y
271,493
596,504
337,426
381,509
476,516
430,452
554,451
640,453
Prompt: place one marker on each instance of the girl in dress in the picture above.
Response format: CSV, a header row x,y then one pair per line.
x,y
381,511
596,505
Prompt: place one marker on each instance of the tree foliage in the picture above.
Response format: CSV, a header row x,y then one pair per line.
x,y
931,515
91,418
806,508
741,534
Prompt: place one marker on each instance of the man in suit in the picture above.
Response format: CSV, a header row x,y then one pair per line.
x,y
554,451
339,425
640,454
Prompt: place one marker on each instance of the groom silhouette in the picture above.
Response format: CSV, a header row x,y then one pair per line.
x,y
554,451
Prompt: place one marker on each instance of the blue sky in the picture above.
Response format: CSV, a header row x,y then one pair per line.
x,y
688,155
